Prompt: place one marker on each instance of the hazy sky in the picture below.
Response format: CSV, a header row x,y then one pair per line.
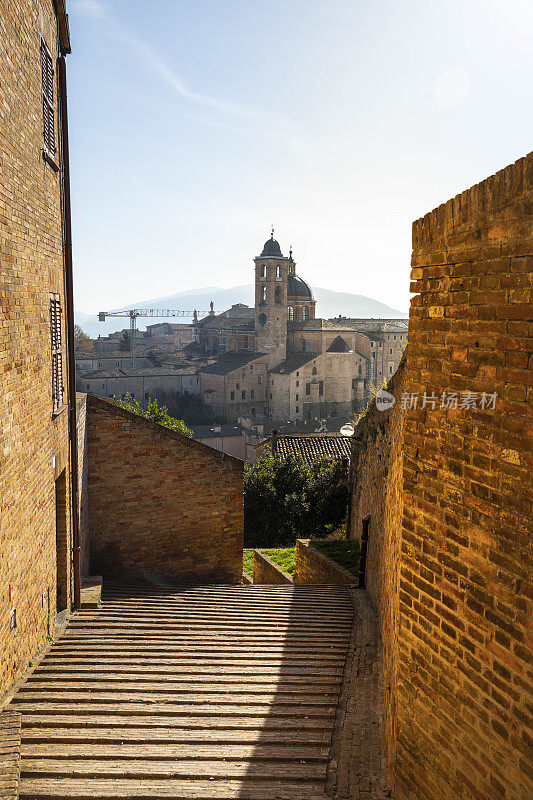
x,y
196,124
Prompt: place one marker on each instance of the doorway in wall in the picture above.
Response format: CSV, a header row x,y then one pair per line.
x,y
364,547
62,548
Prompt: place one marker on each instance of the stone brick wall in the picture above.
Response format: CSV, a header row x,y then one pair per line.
x,y
458,658
161,506
33,442
376,477
314,567
465,604
266,571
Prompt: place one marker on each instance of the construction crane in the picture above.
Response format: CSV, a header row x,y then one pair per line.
x,y
133,313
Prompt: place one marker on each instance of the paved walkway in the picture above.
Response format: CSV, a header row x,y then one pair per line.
x,y
206,692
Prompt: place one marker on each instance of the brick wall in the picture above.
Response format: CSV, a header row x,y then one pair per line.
x,y
266,571
161,505
376,476
314,567
33,442
456,622
83,483
465,658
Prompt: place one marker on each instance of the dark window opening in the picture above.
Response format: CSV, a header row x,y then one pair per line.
x,y
47,74
57,354
364,547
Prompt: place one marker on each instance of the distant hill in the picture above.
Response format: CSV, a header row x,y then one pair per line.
x,y
329,304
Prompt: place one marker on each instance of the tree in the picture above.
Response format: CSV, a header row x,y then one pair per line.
x,y
124,341
82,342
286,498
153,411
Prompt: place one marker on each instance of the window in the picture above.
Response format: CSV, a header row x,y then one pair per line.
x,y
314,371
305,313
237,385
359,370
263,271
371,344
290,313
57,352
308,388
278,272
391,369
277,295
252,368
264,294
296,398
243,395
232,395
394,337
259,380
320,387
297,375
390,351
303,345
47,75
252,394
297,409
253,410
297,382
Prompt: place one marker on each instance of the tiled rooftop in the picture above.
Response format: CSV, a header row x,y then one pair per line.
x,y
312,447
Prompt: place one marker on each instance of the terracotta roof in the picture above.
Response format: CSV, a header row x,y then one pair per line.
x,y
293,363
312,447
230,361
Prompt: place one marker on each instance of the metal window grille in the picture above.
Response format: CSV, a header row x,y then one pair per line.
x,y
47,72
57,355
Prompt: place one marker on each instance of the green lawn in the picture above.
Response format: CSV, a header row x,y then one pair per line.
x,y
345,553
248,562
284,557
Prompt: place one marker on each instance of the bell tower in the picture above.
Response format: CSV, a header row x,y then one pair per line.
x,y
271,272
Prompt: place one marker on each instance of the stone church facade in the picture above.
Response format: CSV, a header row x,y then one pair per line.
x,y
307,368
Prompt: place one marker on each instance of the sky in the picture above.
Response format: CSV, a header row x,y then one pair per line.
x,y
195,125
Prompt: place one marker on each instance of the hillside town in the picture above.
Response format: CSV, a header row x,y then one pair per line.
x,y
274,366
292,561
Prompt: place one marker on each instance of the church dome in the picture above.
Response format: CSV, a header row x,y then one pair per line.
x,y
298,289
271,249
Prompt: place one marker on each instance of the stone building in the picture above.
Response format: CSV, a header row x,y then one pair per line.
x,y
141,383
441,502
36,432
317,368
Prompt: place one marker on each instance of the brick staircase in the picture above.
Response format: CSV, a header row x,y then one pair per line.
x,y
206,692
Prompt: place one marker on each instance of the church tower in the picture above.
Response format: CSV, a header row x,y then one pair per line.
x,y
271,273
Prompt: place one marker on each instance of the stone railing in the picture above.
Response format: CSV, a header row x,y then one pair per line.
x,y
266,571
314,567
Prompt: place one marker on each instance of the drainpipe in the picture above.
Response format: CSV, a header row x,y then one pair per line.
x,y
67,249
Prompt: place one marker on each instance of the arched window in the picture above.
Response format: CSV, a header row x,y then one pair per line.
x,y
263,271
263,294
305,313
278,271
290,313
277,295
314,370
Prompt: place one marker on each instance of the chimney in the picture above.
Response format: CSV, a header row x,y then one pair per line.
x,y
274,435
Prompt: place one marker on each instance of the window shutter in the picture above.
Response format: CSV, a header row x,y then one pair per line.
x,y
47,73
57,356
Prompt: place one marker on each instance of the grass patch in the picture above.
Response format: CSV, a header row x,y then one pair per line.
x,y
248,562
284,557
345,553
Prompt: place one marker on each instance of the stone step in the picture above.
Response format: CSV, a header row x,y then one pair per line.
x,y
91,789
187,737
175,752
149,696
206,691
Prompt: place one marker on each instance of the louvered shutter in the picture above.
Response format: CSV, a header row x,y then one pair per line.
x,y
57,356
47,72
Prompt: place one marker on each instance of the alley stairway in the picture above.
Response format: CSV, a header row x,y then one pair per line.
x,y
205,692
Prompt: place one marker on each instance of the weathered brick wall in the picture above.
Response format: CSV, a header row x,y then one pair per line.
x,y
33,443
266,571
161,505
314,567
83,483
376,476
464,672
